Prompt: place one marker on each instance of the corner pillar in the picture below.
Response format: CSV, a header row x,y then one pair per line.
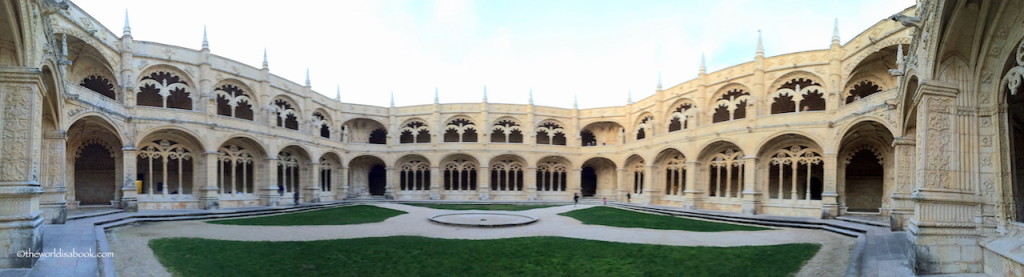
x,y
943,231
692,195
829,193
52,202
269,195
751,202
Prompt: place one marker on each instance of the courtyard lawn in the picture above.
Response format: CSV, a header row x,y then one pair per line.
x,y
630,219
333,216
420,256
486,207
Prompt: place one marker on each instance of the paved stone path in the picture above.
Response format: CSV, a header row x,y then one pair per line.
x,y
134,257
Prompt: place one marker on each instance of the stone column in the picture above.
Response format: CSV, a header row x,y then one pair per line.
x,y
207,187
651,190
693,195
268,189
435,183
829,193
52,202
311,192
904,161
573,180
751,195
20,138
530,180
129,167
343,187
483,180
943,230
390,180
620,187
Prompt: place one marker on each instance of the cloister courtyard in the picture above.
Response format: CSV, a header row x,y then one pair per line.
x,y
395,239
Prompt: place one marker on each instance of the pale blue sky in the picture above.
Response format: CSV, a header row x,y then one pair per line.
x,y
598,50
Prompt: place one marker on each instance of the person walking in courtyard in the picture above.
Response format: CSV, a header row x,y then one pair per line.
x,y
605,200
575,199
627,197
296,197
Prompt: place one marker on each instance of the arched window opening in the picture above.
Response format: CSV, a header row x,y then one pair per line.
x,y
550,133
414,175
322,124
164,89
798,95
460,130
862,89
167,168
731,106
378,136
644,127
326,174
726,174
286,115
100,85
507,175
507,131
551,176
415,132
681,117
232,101
235,170
792,174
675,175
587,138
287,173
460,175
638,179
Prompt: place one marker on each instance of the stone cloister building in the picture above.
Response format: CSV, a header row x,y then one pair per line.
x,y
917,118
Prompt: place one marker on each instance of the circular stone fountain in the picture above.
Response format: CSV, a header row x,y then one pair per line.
x,y
483,219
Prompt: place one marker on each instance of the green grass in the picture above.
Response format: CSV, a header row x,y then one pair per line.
x,y
623,218
486,207
420,256
333,216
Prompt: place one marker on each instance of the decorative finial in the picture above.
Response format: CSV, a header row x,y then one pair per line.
x,y
531,96
629,97
835,32
703,65
485,94
127,27
265,64
337,94
307,77
760,45
575,101
437,99
206,43
392,99
659,79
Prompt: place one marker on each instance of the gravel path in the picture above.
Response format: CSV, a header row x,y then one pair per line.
x,y
135,258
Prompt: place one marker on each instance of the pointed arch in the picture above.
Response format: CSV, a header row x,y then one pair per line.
x,y
729,103
234,99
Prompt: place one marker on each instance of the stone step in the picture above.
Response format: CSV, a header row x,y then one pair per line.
x,y
864,221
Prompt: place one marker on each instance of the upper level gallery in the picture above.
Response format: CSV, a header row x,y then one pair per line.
x,y
149,81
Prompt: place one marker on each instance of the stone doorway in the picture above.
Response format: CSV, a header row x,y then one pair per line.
x,y
588,182
377,180
864,182
94,176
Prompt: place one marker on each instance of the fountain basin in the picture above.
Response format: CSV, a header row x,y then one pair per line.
x,y
483,219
